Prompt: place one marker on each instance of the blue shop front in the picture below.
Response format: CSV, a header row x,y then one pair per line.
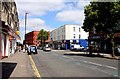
x,y
66,44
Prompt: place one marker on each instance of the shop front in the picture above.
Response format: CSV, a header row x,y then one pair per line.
x,y
8,41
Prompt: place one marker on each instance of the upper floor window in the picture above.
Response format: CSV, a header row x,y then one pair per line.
x,y
74,29
79,36
74,36
79,29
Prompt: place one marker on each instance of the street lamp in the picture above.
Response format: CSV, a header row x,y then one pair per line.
x,y
25,21
25,27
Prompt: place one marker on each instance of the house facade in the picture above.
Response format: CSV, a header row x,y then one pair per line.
x,y
9,28
31,38
66,35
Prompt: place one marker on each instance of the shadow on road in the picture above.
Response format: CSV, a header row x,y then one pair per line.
x,y
7,69
86,55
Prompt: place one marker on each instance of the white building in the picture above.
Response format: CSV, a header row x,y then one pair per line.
x,y
68,34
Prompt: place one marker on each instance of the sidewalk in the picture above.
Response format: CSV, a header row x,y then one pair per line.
x,y
17,65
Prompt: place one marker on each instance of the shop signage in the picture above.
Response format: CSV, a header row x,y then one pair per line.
x,y
95,37
17,32
117,35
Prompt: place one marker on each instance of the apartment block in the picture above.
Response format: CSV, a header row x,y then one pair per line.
x,y
66,35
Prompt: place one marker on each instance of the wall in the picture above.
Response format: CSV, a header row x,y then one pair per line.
x,y
70,32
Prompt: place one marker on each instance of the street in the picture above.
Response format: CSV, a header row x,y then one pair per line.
x,y
57,63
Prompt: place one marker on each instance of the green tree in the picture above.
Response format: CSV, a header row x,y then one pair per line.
x,y
42,36
104,17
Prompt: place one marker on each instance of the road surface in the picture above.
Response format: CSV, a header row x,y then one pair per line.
x,y
57,63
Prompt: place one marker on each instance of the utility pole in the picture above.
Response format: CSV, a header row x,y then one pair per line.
x,y
25,28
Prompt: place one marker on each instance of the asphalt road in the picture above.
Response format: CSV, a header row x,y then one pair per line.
x,y
59,64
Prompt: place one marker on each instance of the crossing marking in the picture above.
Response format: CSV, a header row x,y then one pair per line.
x,y
36,73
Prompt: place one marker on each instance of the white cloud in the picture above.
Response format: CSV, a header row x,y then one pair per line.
x,y
75,16
82,3
39,8
34,24
31,22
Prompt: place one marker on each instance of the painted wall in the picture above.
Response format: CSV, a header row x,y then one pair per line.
x,y
71,31
83,42
66,32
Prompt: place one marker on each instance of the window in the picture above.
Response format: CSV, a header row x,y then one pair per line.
x,y
79,29
74,29
74,36
79,36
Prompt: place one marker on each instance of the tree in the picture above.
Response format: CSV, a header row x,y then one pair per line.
x,y
104,17
42,36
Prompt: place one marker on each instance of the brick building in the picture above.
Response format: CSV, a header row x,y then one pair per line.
x,y
30,38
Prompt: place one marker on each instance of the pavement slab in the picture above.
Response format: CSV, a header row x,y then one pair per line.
x,y
17,65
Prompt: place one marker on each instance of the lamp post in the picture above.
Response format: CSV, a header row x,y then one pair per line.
x,y
25,21
25,27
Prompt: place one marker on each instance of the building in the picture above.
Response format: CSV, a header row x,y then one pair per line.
x,y
100,42
31,38
66,35
9,28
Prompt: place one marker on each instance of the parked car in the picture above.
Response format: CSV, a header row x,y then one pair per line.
x,y
32,49
47,48
77,47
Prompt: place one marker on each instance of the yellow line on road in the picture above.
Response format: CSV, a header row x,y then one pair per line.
x,y
36,73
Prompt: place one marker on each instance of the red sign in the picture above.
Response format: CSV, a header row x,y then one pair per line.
x,y
117,35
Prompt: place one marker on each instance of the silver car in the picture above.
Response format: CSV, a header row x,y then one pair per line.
x,y
47,48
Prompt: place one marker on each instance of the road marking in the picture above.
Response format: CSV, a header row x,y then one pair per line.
x,y
111,67
93,63
37,74
100,65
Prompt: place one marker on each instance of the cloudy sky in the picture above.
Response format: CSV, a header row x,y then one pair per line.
x,y
50,14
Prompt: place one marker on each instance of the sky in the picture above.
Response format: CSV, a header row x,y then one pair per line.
x,y
50,14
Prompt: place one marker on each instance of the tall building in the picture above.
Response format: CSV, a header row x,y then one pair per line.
x,y
66,35
9,28
31,38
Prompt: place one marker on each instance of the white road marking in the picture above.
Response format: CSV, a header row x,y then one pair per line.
x,y
93,63
111,67
100,65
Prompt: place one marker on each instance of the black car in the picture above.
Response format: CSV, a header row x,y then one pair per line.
x,y
32,50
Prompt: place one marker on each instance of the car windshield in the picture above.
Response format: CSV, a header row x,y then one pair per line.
x,y
32,48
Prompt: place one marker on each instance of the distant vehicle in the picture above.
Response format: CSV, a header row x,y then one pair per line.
x,y
77,47
32,49
47,48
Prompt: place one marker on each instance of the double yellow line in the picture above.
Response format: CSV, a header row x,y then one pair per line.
x,y
36,72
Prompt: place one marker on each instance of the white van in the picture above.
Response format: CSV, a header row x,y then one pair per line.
x,y
77,47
